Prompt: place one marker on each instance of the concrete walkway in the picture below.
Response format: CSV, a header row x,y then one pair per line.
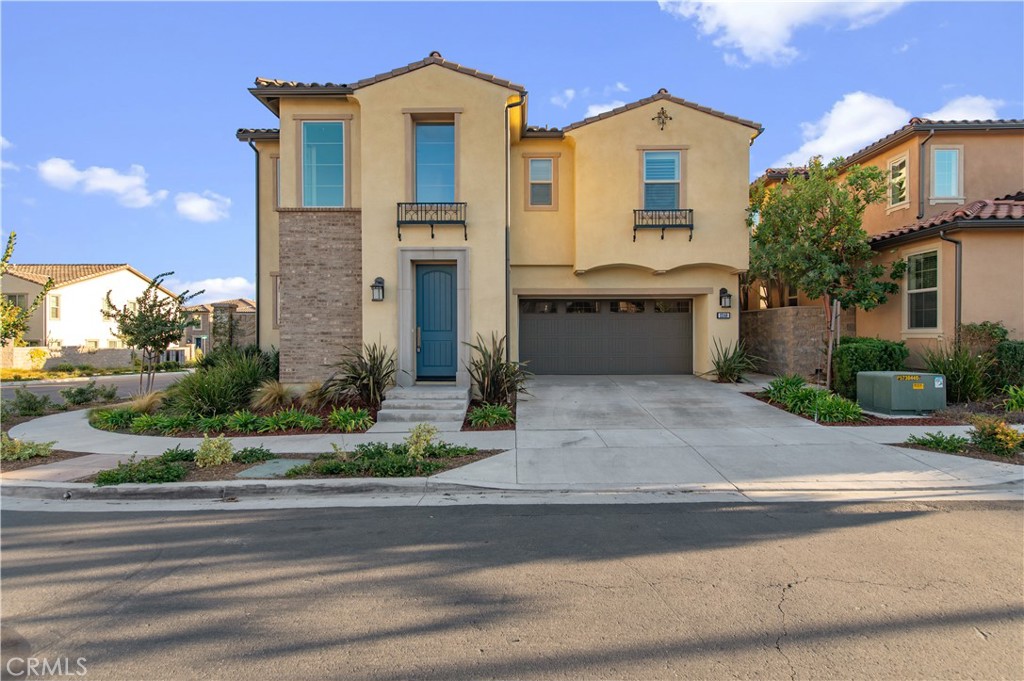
x,y
614,434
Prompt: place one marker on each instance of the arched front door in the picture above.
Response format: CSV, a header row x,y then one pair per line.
x,y
436,323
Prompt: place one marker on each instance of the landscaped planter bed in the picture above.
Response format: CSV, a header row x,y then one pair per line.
x,y
54,457
466,425
971,452
870,420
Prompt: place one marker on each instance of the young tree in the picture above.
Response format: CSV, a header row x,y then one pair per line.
x,y
809,234
151,323
14,319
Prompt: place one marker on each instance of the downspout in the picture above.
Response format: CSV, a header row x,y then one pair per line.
x,y
921,174
958,285
259,300
508,223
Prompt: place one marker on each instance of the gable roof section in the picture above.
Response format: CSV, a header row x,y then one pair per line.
x,y
270,90
1006,212
917,125
241,305
663,95
66,275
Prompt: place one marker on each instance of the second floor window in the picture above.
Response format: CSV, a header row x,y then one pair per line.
x,y
435,162
898,181
946,174
542,182
54,307
661,180
17,299
323,163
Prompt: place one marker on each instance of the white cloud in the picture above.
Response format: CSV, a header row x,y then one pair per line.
x,y
128,188
595,109
856,120
969,107
763,31
7,165
214,288
905,47
5,143
562,99
205,207
618,87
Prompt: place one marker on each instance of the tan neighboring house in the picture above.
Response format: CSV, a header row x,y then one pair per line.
x,y
954,212
212,320
417,208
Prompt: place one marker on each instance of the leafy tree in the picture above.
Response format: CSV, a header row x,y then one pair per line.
x,y
151,323
809,233
14,319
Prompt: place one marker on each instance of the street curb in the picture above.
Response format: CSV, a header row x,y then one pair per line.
x,y
80,379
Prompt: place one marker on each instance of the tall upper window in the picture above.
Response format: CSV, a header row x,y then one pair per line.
x,y
54,307
323,163
661,180
542,179
898,181
923,291
946,174
435,162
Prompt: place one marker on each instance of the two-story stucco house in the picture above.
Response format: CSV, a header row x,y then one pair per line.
x,y
418,209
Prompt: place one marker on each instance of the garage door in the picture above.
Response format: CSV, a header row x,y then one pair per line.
x,y
581,336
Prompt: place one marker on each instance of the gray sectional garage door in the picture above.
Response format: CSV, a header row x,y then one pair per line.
x,y
588,336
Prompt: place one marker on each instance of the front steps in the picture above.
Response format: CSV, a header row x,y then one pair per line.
x,y
442,406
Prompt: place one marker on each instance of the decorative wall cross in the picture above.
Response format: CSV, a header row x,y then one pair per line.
x,y
662,118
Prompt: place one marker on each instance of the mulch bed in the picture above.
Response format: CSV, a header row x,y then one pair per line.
x,y
870,420
480,429
971,452
448,463
55,456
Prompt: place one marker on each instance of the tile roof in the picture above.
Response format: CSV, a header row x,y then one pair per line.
x,y
663,94
240,304
62,275
926,124
975,214
258,133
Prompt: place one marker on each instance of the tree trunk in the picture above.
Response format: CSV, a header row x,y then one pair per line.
x,y
833,321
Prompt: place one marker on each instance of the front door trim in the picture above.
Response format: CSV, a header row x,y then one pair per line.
x,y
408,258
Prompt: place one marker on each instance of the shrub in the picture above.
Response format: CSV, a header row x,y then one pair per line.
x,y
995,436
312,396
831,408
272,395
288,419
443,450
22,450
1008,367
730,362
782,386
25,403
349,420
154,470
106,393
65,367
983,337
82,394
85,368
169,365
144,423
799,400
1015,398
147,403
494,380
418,440
169,424
212,424
954,444
244,421
222,388
178,454
964,371
365,375
112,419
253,455
864,354
215,452
490,415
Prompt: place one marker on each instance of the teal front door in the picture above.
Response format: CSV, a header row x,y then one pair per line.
x,y
436,331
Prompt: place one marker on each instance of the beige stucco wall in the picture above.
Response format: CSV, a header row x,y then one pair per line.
x,y
269,246
544,237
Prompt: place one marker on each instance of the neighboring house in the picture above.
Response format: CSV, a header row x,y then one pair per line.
x,y
416,208
71,313
211,327
955,178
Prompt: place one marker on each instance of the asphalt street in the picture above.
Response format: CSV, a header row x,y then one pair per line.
x,y
127,385
786,591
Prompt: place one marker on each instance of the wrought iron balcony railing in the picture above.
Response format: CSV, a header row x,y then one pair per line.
x,y
681,218
432,214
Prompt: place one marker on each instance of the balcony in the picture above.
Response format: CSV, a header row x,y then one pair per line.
x,y
680,218
432,214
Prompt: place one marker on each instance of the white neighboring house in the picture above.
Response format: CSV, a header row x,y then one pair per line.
x,y
71,314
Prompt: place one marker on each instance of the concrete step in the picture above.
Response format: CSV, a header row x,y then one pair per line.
x,y
421,392
419,415
425,405
405,426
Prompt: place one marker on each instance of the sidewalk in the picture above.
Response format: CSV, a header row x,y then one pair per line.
x,y
773,462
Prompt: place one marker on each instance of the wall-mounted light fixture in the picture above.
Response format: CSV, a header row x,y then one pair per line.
x,y
724,298
377,290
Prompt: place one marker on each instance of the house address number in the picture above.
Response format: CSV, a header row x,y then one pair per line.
x,y
725,315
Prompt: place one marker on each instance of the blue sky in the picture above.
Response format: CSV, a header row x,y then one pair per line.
x,y
118,119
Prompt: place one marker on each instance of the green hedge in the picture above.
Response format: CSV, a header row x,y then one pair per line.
x,y
864,354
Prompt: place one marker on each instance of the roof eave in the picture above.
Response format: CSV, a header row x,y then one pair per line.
x,y
991,223
244,136
916,128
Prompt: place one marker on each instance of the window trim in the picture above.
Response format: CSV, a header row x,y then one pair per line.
x,y
52,304
905,203
275,161
429,115
681,149
275,300
552,156
923,331
345,120
959,198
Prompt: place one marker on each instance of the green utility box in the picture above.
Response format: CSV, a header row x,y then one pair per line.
x,y
900,392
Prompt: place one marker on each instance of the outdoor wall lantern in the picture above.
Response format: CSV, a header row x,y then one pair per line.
x,y
724,298
377,290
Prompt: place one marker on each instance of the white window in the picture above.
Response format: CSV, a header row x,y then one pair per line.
x,y
947,175
542,183
923,291
898,194
661,180
112,344
54,307
17,299
92,345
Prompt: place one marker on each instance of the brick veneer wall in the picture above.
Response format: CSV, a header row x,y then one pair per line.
x,y
321,289
790,340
